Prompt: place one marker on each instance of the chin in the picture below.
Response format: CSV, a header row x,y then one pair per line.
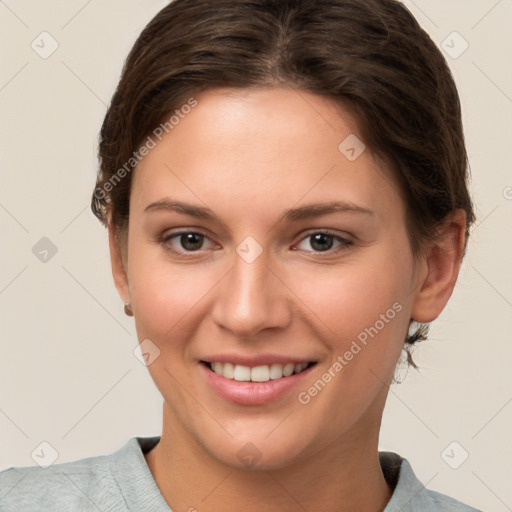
x,y
257,456
257,448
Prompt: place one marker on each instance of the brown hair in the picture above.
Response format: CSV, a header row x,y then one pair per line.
x,y
368,55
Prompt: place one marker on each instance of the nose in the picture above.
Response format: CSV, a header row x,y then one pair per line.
x,y
251,298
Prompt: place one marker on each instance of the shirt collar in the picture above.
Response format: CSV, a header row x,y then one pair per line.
x,y
400,476
134,477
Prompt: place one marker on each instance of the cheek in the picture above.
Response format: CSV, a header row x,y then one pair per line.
x,y
166,299
361,315
351,298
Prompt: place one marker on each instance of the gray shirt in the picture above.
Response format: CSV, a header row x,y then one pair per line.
x,y
122,481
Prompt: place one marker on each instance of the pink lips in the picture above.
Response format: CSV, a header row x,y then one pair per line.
x,y
252,393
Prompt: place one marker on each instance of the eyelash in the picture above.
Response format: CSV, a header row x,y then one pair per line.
x,y
345,243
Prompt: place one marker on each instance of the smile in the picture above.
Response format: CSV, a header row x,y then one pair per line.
x,y
262,373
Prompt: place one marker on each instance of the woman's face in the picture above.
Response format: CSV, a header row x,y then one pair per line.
x,y
264,272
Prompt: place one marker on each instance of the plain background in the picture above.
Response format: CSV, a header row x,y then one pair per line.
x,y
68,374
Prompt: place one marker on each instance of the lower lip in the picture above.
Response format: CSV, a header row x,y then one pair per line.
x,y
253,393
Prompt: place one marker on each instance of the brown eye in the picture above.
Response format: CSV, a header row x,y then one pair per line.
x,y
185,242
191,241
324,241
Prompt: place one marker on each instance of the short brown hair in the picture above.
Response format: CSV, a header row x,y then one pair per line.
x,y
370,56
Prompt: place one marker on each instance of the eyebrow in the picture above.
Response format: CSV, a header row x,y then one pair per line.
x,y
290,215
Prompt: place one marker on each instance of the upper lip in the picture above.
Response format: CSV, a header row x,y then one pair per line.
x,y
256,360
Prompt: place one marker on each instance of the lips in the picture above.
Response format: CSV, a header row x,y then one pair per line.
x,y
254,381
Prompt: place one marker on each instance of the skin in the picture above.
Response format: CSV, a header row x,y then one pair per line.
x,y
248,156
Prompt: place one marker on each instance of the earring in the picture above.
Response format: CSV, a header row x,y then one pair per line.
x,y
128,309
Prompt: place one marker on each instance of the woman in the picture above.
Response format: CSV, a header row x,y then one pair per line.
x,y
285,189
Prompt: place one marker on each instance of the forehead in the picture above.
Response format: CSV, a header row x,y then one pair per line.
x,y
257,148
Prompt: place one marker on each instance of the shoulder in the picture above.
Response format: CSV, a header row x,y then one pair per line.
x,y
438,501
85,484
410,494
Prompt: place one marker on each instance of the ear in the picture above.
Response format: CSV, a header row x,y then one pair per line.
x,y
443,261
118,265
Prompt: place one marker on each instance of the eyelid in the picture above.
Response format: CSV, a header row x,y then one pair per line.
x,y
327,231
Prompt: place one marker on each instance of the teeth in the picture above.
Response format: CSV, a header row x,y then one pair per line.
x,y
262,373
227,370
242,373
288,369
276,371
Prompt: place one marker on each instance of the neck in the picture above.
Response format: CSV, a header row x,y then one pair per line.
x,y
343,479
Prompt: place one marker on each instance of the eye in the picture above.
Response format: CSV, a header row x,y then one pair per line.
x,y
190,241
323,241
193,241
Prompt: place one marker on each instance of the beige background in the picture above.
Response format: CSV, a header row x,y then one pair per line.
x,y
68,375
